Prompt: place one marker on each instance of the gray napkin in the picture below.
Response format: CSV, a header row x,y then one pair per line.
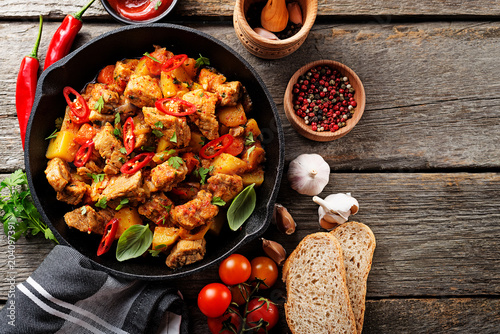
x,y
66,294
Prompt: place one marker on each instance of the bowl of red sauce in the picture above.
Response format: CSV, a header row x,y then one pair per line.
x,y
138,11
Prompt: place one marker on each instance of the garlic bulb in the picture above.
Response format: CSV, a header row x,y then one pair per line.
x,y
335,209
308,174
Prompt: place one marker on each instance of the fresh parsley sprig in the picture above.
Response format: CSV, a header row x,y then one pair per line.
x,y
19,214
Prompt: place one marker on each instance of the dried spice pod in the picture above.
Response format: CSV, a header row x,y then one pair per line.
x,y
283,219
274,250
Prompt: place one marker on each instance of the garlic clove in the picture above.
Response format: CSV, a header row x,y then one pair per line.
x,y
336,208
327,225
266,34
274,250
308,174
283,219
294,12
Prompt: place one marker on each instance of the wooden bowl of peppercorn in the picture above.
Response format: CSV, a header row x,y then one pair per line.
x,y
246,18
324,100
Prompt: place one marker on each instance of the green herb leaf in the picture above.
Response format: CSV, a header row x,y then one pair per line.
x,y
99,104
53,134
123,202
117,132
157,5
202,61
250,150
175,162
96,177
249,140
242,207
157,250
166,207
59,121
159,125
17,211
202,173
134,242
102,203
218,201
147,148
151,57
173,139
123,150
157,133
118,118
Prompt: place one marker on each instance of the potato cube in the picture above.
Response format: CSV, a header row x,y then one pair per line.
x,y
228,164
63,146
232,116
256,176
164,236
127,217
252,127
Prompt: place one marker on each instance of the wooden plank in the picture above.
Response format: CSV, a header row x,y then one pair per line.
x,y
379,11
437,234
428,103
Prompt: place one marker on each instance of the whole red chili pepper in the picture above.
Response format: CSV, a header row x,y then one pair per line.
x,y
64,36
218,146
26,85
108,236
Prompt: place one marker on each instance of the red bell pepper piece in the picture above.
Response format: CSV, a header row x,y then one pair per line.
x,y
83,154
26,85
108,236
106,76
64,36
137,162
160,105
80,111
128,135
217,146
174,63
84,134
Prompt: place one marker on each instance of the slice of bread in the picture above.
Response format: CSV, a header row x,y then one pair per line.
x,y
358,244
317,297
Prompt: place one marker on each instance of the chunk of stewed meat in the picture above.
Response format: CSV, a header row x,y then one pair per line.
x,y
174,129
165,177
157,209
196,212
142,91
228,92
186,252
225,186
58,173
121,186
74,192
204,117
109,147
86,219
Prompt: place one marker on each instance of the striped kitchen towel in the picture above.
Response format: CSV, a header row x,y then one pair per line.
x,y
66,294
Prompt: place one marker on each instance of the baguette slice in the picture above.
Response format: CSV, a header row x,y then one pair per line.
x,y
317,297
358,244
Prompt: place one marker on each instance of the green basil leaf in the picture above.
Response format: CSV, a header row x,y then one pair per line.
x,y
134,242
242,207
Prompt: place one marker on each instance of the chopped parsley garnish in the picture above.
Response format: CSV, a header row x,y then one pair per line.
x,y
175,162
59,121
159,125
99,104
123,202
117,118
155,252
249,139
202,173
147,148
250,150
202,61
151,57
157,133
218,201
102,203
123,150
117,132
173,139
96,177
53,134
167,207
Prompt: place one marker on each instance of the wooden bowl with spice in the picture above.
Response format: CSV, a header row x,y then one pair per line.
x,y
249,30
324,100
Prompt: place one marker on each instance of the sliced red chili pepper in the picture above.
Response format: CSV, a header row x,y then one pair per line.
x,y
84,153
128,135
174,63
80,111
137,162
218,146
160,105
108,236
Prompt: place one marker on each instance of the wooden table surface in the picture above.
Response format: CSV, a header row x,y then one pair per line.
x,y
422,162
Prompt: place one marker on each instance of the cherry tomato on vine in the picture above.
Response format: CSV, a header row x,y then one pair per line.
x,y
214,299
262,308
239,293
265,269
235,269
230,319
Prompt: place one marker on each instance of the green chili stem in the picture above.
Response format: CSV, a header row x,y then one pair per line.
x,y
34,52
79,14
